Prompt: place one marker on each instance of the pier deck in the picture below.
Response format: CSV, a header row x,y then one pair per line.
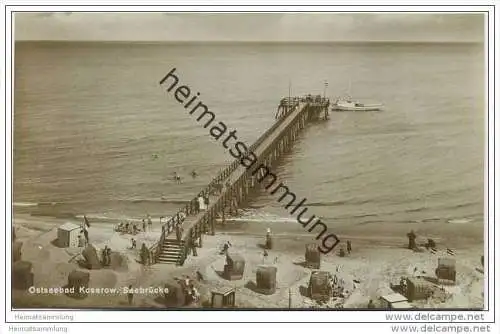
x,y
189,224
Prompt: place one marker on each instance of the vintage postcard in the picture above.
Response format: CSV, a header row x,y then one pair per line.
x,y
266,160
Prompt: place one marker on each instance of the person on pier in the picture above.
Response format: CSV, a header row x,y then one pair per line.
x,y
217,189
178,232
192,245
201,203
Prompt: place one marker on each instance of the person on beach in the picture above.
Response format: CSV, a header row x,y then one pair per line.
x,y
143,225
411,240
130,295
85,226
104,256
86,235
341,252
331,283
133,243
81,239
269,240
268,232
108,255
150,222
349,246
194,174
225,248
195,294
144,254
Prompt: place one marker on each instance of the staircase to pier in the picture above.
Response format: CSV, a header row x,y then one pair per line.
x,y
171,251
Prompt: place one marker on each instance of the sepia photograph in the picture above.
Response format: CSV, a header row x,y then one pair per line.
x,y
265,160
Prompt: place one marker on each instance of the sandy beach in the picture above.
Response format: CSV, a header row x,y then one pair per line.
x,y
379,257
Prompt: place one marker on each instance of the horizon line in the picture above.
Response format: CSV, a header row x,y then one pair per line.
x,y
252,41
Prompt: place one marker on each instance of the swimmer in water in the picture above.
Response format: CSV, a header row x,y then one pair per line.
x,y
177,177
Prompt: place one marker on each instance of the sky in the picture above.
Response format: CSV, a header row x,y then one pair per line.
x,y
283,27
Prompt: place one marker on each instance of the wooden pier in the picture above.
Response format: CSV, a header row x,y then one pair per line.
x,y
183,233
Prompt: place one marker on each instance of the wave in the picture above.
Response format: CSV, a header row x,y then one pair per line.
x,y
97,218
154,200
126,200
108,219
258,216
260,220
459,221
325,204
416,210
251,215
24,204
